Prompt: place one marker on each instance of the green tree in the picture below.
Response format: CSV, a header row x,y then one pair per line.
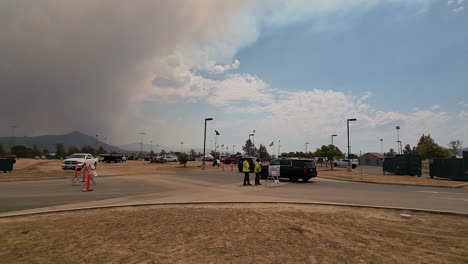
x,y
71,150
454,147
330,152
60,150
192,154
36,151
353,156
2,150
163,152
101,150
22,151
408,150
391,153
428,149
262,153
89,149
183,159
249,148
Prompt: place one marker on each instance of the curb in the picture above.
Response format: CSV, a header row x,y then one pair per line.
x,y
219,202
396,183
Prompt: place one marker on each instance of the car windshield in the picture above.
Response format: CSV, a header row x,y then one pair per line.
x,y
77,156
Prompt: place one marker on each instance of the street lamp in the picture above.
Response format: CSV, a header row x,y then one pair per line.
x,y
253,137
279,147
307,143
332,138
204,142
250,135
141,145
349,149
381,146
398,139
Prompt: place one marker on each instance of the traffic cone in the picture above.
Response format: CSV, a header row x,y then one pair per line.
x,y
83,172
88,182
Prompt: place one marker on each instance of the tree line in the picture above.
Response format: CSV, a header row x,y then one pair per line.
x,y
61,151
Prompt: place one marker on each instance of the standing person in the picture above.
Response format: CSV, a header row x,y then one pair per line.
x,y
257,170
246,170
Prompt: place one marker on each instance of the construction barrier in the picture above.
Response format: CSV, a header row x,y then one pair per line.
x,y
88,179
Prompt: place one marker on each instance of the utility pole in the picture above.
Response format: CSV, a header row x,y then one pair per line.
x,y
332,139
141,146
398,139
279,147
349,148
307,143
381,146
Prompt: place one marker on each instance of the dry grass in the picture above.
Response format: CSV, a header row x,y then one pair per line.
x,y
234,234
36,169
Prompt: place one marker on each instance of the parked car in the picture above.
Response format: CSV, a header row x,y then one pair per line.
x,y
79,160
344,163
292,168
233,159
170,158
251,161
116,157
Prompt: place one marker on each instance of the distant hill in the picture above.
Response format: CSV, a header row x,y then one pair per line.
x,y
48,142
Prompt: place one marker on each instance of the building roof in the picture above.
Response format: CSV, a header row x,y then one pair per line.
x,y
375,154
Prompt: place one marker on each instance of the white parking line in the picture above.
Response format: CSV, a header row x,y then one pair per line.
x,y
427,191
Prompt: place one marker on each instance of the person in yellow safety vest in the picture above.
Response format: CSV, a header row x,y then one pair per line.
x,y
257,170
246,170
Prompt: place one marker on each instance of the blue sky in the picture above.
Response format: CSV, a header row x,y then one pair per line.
x,y
291,70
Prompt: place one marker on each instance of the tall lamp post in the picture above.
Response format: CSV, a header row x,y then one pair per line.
x,y
381,146
204,142
253,137
349,148
279,147
332,136
307,143
251,143
398,138
141,144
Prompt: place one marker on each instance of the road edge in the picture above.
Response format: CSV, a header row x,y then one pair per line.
x,y
233,202
395,183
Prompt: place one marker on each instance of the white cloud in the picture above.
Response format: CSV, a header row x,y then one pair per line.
x,y
435,107
458,9
450,2
213,68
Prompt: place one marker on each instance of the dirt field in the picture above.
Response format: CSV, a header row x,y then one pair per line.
x,y
356,175
234,234
30,168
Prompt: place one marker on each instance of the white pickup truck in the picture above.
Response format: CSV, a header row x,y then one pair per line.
x,y
79,160
344,163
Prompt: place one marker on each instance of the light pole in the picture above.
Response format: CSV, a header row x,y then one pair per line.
x,y
307,143
216,141
381,146
251,135
279,147
141,145
398,138
349,148
332,136
204,142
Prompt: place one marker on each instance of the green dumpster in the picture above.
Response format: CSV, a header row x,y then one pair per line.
x,y
6,164
404,164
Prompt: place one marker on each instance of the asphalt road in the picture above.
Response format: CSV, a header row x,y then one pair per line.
x,y
224,186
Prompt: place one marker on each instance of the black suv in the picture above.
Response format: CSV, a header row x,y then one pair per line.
x,y
251,161
291,168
